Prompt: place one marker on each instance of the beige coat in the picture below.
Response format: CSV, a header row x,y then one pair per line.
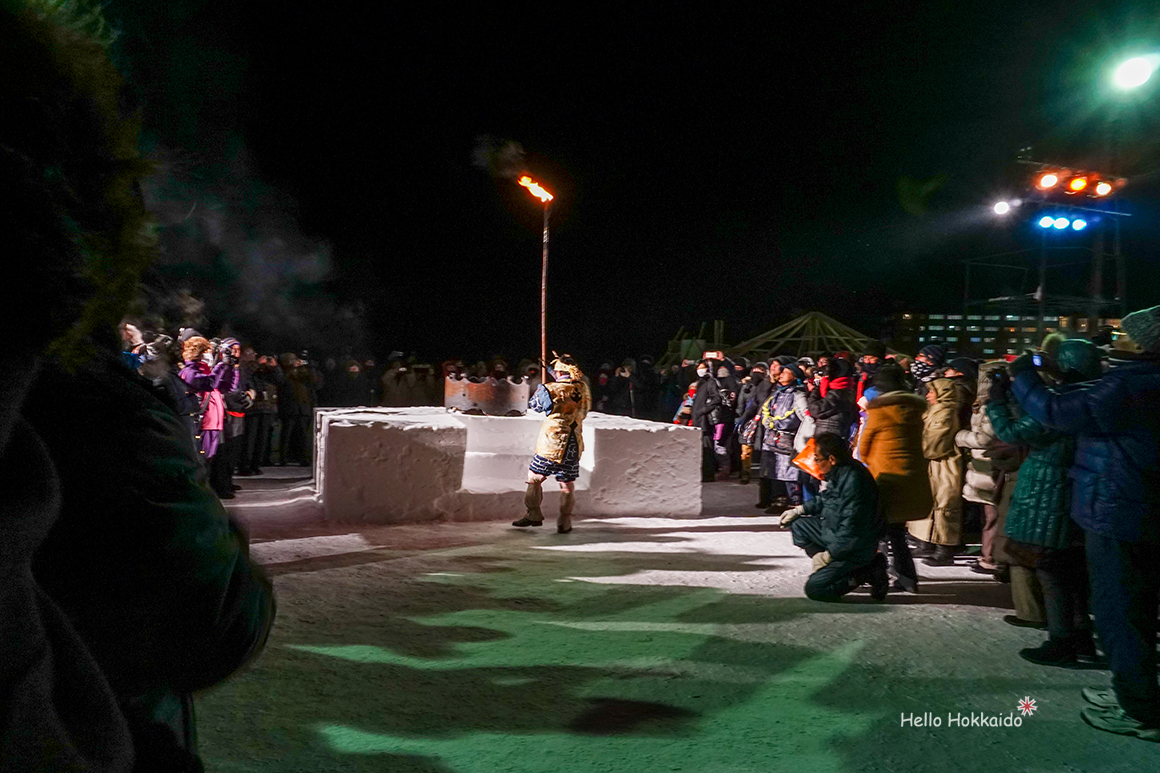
x,y
944,526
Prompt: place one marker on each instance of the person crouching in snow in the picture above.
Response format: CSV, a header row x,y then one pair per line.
x,y
558,449
839,529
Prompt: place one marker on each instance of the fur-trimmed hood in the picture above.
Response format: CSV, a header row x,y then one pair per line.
x,y
898,398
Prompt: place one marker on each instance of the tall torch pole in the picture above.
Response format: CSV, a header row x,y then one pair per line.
x,y
544,300
538,191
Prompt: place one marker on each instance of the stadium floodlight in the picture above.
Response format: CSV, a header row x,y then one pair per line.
x,y
1002,208
1062,222
1047,221
1077,184
1103,188
1049,180
1079,224
1134,73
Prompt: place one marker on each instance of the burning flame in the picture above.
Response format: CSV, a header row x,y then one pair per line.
x,y
535,188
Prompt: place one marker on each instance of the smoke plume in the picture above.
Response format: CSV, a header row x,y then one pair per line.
x,y
501,158
234,260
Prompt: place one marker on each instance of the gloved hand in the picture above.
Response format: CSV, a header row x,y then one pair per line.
x,y
821,559
792,514
1020,364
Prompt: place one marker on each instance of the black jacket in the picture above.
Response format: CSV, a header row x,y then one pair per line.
x,y
144,561
848,508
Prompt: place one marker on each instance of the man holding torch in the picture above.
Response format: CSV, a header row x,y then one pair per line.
x,y
566,401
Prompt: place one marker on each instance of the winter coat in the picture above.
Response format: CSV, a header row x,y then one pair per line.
x,y
144,561
1041,502
781,415
567,404
299,392
848,507
945,464
749,402
1116,472
891,448
834,413
709,407
225,378
265,381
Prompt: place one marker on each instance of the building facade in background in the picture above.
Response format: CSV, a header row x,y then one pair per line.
x,y
985,335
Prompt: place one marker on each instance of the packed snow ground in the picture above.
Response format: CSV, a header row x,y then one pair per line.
x,y
631,644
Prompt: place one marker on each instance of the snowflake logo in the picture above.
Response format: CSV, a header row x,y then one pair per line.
x,y
1026,706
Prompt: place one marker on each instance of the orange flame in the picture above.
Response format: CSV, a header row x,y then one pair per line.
x,y
536,189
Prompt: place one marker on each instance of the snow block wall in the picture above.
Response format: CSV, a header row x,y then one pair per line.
x,y
407,465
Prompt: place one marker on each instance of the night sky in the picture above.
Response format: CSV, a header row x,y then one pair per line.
x,y
707,165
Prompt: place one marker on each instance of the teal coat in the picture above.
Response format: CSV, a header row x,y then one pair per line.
x,y
1040,507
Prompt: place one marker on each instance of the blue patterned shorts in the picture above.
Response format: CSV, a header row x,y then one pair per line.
x,y
565,471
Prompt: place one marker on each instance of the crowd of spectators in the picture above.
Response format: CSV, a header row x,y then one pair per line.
x,y
1049,462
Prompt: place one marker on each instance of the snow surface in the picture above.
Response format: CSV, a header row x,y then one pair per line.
x,y
399,465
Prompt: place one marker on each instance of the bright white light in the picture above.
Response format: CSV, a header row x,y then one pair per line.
x,y
1048,180
1061,222
1002,208
1079,224
1047,221
1103,189
1134,72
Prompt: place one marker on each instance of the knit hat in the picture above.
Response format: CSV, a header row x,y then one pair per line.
x,y
889,378
1144,328
796,370
186,334
228,342
935,352
965,365
874,349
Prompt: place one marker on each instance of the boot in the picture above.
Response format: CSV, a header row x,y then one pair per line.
x,y
764,493
942,555
1114,720
920,549
567,502
532,499
746,465
1053,652
879,579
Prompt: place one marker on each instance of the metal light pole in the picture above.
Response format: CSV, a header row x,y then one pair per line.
x,y
538,191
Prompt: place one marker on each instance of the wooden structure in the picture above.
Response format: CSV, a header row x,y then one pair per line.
x,y
809,334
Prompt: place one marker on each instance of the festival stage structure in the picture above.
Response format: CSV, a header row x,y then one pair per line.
x,y
809,334
409,465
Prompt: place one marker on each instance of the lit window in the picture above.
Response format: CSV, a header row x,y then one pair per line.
x,y
989,340
936,316
921,339
973,328
988,351
936,327
974,316
976,340
1010,351
993,317
1030,330
906,316
1012,317
955,316
991,329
